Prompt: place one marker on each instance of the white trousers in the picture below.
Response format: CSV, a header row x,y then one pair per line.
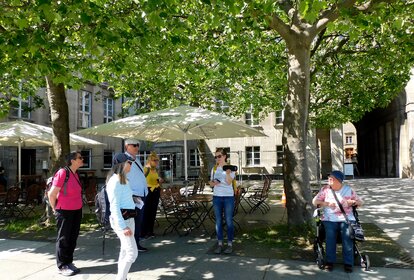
x,y
128,252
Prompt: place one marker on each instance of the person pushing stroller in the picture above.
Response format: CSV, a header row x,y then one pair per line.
x,y
333,219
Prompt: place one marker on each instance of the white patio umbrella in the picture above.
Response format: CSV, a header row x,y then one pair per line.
x,y
180,123
20,134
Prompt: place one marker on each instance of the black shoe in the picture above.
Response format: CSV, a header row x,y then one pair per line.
x,y
348,268
328,266
142,249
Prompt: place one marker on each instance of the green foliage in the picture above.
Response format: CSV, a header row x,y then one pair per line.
x,y
164,53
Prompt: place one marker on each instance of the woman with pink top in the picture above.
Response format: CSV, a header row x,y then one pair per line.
x,y
66,201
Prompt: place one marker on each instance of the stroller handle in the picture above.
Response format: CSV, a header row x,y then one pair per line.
x,y
316,212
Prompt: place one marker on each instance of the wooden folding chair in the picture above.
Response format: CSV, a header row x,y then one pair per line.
x,y
30,201
175,213
258,199
9,206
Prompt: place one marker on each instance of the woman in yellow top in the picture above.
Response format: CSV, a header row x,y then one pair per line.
x,y
154,182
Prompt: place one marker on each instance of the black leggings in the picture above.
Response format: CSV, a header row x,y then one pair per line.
x,y
151,206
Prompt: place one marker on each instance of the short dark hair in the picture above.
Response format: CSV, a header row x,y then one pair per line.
x,y
72,155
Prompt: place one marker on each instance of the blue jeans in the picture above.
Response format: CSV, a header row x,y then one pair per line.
x,y
224,205
331,230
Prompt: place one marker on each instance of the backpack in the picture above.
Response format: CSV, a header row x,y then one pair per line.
x,y
49,184
102,210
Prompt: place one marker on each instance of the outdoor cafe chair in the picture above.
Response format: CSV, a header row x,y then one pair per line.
x,y
9,207
30,201
175,213
256,198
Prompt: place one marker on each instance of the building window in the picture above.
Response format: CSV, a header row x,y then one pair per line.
x,y
279,155
250,118
222,106
194,158
108,155
252,155
21,108
279,116
108,110
348,139
85,108
87,159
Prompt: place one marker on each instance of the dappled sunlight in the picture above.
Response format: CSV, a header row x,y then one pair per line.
x,y
163,242
186,259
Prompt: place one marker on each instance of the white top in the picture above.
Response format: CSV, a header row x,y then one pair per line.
x,y
120,197
222,189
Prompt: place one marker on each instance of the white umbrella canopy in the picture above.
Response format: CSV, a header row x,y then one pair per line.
x,y
180,123
20,134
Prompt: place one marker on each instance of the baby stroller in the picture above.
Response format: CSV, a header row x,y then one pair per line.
x,y
320,238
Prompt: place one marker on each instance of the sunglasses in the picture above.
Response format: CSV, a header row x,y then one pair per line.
x,y
219,156
134,145
81,158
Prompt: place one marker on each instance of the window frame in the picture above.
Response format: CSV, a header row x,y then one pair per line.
x,y
19,110
108,112
106,155
85,114
87,159
253,156
194,158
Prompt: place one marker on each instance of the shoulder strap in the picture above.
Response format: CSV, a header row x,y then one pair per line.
x,y
65,184
139,167
340,206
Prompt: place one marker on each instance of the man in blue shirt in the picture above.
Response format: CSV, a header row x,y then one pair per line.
x,y
138,184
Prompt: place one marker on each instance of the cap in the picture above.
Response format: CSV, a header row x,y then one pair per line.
x,y
131,141
338,175
120,158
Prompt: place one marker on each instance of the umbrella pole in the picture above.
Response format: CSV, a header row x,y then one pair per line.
x,y
19,161
185,157
185,164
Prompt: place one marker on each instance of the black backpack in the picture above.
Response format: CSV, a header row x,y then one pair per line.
x,y
102,213
102,210
49,184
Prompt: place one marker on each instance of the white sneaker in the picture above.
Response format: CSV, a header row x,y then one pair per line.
x,y
74,268
66,271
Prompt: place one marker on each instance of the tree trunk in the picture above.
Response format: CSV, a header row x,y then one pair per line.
x,y
204,172
60,122
60,125
295,129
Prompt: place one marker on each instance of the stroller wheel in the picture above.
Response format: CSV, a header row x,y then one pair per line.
x,y
365,263
320,263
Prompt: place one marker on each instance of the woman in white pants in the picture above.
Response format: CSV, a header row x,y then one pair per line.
x,y
122,208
